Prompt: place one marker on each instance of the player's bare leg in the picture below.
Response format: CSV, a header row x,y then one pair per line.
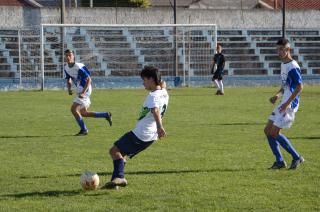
x,y
75,110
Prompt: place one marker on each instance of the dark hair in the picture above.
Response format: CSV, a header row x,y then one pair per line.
x,y
219,44
67,51
151,72
283,42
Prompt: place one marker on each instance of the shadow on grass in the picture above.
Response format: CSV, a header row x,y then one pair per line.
x,y
159,172
307,137
54,193
240,124
226,124
33,136
180,171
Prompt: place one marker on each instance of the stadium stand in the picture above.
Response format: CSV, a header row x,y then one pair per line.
x,y
115,52
124,52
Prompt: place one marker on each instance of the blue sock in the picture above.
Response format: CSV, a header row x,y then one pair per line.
x,y
82,124
285,143
118,169
274,145
100,114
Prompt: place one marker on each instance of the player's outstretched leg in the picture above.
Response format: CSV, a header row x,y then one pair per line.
x,y
75,110
117,178
286,144
106,115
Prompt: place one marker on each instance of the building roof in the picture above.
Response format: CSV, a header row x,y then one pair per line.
x,y
52,3
22,3
292,4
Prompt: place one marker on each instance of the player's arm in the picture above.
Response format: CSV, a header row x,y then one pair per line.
x,y
214,61
69,82
69,85
276,97
88,83
295,93
212,66
223,61
157,117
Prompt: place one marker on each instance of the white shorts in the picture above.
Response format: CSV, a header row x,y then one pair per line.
x,y
83,102
282,120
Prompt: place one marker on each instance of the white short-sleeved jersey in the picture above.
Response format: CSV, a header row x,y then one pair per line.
x,y
291,78
78,73
146,128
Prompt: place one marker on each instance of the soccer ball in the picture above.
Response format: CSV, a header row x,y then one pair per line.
x,y
89,180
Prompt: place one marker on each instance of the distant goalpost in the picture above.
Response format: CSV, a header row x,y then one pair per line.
x,y
115,54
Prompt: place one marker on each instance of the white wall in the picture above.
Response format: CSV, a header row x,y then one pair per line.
x,y
11,17
17,17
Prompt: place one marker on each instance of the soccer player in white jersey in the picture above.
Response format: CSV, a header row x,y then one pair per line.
x,y
283,115
79,75
148,128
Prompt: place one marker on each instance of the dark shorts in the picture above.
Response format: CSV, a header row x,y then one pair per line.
x,y
129,144
218,75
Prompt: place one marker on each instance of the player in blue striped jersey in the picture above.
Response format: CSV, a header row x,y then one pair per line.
x,y
79,75
283,115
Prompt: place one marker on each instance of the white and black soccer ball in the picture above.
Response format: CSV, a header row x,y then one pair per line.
x,y
89,180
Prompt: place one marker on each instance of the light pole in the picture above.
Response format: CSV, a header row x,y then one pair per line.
x,y
175,62
63,11
283,18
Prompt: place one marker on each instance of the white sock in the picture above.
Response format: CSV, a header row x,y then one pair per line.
x,y
217,84
221,86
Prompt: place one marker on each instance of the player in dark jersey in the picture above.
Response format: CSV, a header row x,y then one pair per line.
x,y
219,61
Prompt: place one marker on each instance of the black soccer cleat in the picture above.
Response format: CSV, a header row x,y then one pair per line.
x,y
82,133
109,185
115,183
278,165
109,118
296,163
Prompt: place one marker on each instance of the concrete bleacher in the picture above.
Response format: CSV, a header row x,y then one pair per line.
x,y
8,53
305,45
123,52
115,52
241,56
29,59
153,47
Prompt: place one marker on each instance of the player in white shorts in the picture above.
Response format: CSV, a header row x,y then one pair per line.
x,y
283,115
79,75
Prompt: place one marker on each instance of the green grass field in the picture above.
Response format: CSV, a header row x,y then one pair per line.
x,y
215,156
